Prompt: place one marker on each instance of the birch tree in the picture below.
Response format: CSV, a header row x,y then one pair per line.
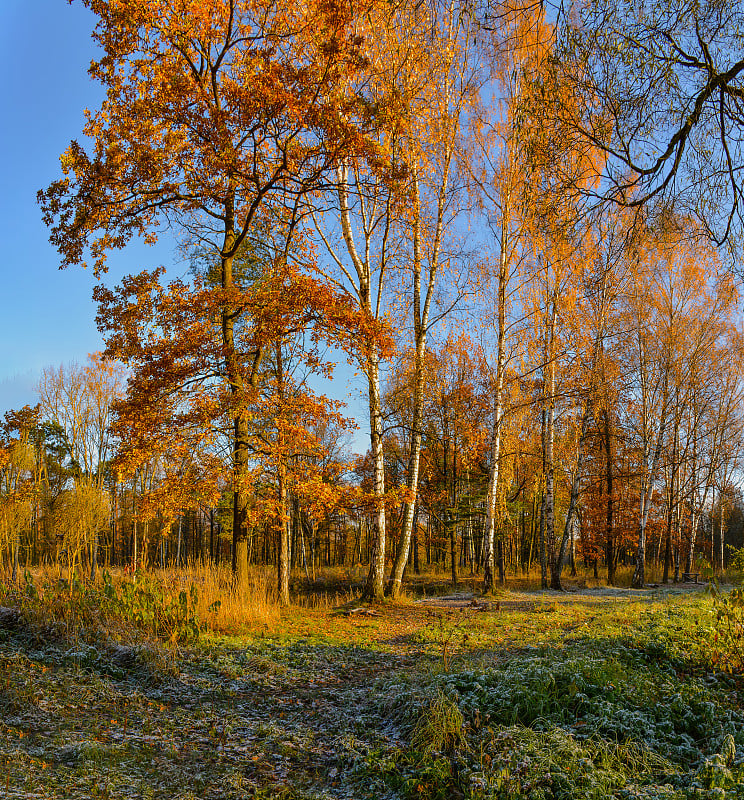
x,y
393,220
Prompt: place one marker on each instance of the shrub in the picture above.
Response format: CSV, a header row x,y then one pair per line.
x,y
146,603
86,609
728,638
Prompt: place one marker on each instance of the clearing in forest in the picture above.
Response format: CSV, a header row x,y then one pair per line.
x,y
582,695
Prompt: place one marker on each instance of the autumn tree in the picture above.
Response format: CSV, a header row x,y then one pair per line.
x,y
179,405
499,168
394,223
18,484
597,332
430,141
560,259
726,468
78,400
218,117
663,83
537,229
454,441
675,306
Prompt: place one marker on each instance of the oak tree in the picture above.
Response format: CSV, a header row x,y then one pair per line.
x,y
218,114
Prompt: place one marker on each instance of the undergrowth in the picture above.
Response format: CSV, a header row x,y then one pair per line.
x,y
172,607
549,698
125,609
728,641
643,714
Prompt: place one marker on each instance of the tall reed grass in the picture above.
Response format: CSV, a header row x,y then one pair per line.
x,y
117,600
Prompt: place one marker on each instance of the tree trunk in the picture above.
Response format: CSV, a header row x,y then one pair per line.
x,y
639,574
721,534
548,441
374,588
282,522
573,549
694,521
211,536
673,500
543,549
493,475
421,325
283,532
677,540
586,418
500,559
94,556
16,543
414,458
241,431
134,542
609,476
453,550
690,557
416,565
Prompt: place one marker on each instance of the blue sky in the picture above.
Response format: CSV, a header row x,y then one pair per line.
x,y
48,316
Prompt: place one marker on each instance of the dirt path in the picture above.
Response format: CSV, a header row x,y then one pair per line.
x,y
527,600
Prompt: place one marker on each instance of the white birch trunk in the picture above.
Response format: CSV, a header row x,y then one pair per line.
x,y
549,437
639,574
373,589
489,553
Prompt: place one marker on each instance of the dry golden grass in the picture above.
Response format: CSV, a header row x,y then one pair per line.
x,y
219,604
219,608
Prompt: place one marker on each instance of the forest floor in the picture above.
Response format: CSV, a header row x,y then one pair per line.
x,y
519,600
588,694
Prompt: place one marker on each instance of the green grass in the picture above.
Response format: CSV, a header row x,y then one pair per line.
x,y
548,697
626,705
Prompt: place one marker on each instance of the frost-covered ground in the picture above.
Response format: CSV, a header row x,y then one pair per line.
x,y
527,599
540,696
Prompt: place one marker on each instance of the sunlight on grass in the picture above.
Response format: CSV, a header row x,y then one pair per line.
x,y
533,695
